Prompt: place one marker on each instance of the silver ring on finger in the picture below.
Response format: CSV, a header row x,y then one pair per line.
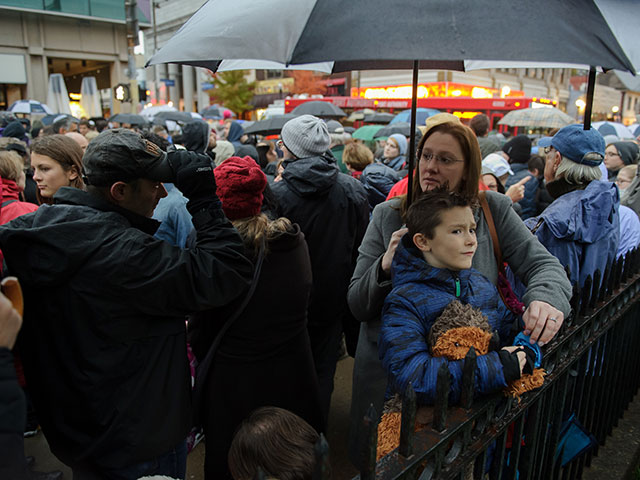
x,y
553,319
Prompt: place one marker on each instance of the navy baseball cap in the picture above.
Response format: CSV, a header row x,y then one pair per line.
x,y
578,145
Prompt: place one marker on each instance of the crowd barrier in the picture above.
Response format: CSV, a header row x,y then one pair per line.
x,y
592,372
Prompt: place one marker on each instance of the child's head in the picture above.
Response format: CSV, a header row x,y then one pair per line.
x,y
442,227
276,440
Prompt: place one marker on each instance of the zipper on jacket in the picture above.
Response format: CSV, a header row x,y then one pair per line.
x,y
457,280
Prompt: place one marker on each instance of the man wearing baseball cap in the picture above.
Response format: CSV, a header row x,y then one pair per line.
x,y
581,227
103,342
333,211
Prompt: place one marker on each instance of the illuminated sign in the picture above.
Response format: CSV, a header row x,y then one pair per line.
x,y
434,90
465,115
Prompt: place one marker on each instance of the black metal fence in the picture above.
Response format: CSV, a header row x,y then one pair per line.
x,y
592,371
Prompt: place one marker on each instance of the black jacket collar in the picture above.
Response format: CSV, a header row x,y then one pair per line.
x,y
75,196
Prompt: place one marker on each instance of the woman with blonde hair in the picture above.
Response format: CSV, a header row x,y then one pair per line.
x,y
377,178
57,162
267,345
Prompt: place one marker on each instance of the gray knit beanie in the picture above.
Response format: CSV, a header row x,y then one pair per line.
x,y
306,136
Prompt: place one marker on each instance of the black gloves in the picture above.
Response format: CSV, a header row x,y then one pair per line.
x,y
195,179
511,364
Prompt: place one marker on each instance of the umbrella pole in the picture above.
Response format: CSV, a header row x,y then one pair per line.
x,y
591,86
412,142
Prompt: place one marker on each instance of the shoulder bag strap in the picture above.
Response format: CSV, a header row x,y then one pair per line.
x,y
203,367
492,230
4,204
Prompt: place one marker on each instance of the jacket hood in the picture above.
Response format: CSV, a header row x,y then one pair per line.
x,y
235,132
586,215
378,179
48,246
409,266
311,176
195,136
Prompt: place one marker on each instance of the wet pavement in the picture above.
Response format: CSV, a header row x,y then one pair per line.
x,y
338,430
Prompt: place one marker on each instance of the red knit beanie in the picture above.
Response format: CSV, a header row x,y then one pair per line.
x,y
240,183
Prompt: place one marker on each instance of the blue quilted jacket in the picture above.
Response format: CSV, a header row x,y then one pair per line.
x,y
420,293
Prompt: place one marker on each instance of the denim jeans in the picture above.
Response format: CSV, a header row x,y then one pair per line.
x,y
172,464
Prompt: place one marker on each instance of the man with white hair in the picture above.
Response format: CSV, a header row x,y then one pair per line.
x,y
581,227
332,211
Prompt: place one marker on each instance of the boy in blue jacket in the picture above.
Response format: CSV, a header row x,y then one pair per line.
x,y
432,268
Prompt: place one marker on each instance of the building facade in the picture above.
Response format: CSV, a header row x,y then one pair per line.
x,y
76,38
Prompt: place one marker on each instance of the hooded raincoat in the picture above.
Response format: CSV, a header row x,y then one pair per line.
x,y
581,229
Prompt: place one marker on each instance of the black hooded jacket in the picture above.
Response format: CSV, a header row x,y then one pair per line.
x,y
195,136
103,339
332,211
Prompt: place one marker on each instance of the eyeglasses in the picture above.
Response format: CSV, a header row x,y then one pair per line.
x,y
440,160
280,144
611,154
547,149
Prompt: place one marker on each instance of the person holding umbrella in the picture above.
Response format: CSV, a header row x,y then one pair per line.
x,y
448,156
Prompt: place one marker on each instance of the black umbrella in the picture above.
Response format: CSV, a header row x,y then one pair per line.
x,y
179,117
379,117
403,128
319,109
288,32
51,119
270,126
129,118
215,112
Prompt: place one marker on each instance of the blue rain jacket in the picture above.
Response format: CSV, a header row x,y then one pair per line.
x,y
582,229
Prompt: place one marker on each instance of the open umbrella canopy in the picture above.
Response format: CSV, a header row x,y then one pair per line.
x,y
271,126
319,109
421,115
378,117
546,117
287,31
51,119
129,118
367,132
150,112
634,129
215,112
29,106
179,117
359,114
403,128
612,128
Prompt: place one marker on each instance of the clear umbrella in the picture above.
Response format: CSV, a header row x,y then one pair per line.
x,y
613,128
545,117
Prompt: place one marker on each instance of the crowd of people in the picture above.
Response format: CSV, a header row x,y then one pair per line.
x,y
207,281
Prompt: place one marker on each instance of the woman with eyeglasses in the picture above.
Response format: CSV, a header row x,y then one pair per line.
x,y
448,156
618,155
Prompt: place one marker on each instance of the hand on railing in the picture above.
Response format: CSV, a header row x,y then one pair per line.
x,y
542,321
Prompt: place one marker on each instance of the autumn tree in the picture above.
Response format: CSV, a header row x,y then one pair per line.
x,y
232,90
307,82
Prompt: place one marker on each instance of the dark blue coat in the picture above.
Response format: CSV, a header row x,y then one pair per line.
x,y
420,294
528,202
377,180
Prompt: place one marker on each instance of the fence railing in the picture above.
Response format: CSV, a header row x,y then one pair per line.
x,y
593,371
